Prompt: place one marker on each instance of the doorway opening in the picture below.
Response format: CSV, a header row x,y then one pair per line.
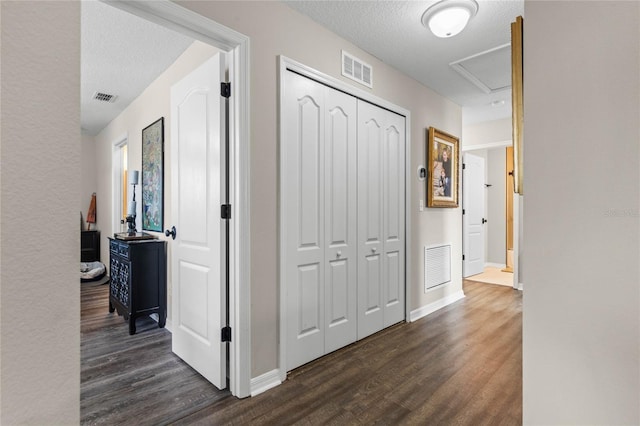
x,y
119,167
494,196
177,18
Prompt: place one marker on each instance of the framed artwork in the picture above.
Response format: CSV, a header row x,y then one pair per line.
x,y
153,176
443,175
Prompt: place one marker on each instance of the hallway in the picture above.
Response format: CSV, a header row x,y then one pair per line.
x,y
460,365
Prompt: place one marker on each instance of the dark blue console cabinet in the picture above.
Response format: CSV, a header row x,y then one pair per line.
x,y
138,284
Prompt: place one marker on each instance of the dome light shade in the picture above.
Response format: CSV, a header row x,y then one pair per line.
x,y
449,17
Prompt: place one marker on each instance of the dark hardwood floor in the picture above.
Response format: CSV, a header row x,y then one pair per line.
x,y
462,365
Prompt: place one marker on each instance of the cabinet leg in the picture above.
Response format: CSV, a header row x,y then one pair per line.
x,y
162,319
132,325
111,308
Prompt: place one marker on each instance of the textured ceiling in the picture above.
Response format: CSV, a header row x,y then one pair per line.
x,y
392,31
121,55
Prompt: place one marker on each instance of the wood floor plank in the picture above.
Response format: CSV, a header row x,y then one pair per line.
x,y
460,365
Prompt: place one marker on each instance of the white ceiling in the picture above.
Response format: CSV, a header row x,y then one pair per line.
x,y
392,31
122,54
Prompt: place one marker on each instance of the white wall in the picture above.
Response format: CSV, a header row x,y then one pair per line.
x,y
275,29
39,232
482,135
152,104
88,178
581,352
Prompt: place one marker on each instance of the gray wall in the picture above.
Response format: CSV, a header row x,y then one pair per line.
x,y
40,189
581,213
276,29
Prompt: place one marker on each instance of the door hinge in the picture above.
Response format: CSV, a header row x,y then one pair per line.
x,y
225,335
225,211
463,257
225,90
464,166
462,211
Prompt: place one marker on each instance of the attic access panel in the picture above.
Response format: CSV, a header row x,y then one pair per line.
x,y
490,70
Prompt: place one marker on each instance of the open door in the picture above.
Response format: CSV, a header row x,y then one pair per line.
x,y
198,188
473,215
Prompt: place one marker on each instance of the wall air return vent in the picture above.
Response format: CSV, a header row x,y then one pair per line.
x,y
104,97
357,70
437,265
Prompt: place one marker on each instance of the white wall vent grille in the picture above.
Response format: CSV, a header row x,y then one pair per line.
x,y
437,265
357,70
104,97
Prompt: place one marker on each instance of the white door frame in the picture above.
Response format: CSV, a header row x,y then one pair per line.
x,y
192,24
289,64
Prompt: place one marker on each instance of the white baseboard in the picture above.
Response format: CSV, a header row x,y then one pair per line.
x,y
520,286
495,265
264,382
432,307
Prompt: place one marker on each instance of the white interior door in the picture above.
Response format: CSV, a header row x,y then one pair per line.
x,y
473,220
370,203
381,283
340,219
198,190
393,230
319,201
303,172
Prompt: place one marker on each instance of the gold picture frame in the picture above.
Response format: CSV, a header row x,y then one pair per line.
x,y
443,152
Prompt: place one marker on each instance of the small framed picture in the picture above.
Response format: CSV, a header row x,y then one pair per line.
x,y
442,164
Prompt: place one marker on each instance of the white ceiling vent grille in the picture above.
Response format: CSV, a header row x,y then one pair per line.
x,y
357,70
104,97
437,265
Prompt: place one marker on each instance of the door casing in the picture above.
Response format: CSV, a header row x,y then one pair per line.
x,y
192,24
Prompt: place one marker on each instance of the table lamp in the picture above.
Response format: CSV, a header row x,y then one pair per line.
x,y
131,213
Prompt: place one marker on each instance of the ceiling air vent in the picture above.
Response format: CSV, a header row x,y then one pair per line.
x,y
104,97
357,70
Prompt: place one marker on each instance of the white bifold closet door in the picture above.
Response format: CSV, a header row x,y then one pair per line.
x,y
381,284
319,137
342,183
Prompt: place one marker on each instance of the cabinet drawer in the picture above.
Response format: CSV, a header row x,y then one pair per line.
x,y
123,250
119,249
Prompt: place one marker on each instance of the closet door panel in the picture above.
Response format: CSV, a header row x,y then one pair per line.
x,y
303,199
340,220
394,213
370,218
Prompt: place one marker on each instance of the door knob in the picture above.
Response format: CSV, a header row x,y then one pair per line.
x,y
339,253
172,232
373,250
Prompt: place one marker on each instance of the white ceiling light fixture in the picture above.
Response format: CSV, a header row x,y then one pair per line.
x,y
447,18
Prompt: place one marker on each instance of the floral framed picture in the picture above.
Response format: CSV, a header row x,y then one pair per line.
x,y
443,175
153,176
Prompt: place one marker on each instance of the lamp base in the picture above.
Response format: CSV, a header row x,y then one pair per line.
x,y
131,221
